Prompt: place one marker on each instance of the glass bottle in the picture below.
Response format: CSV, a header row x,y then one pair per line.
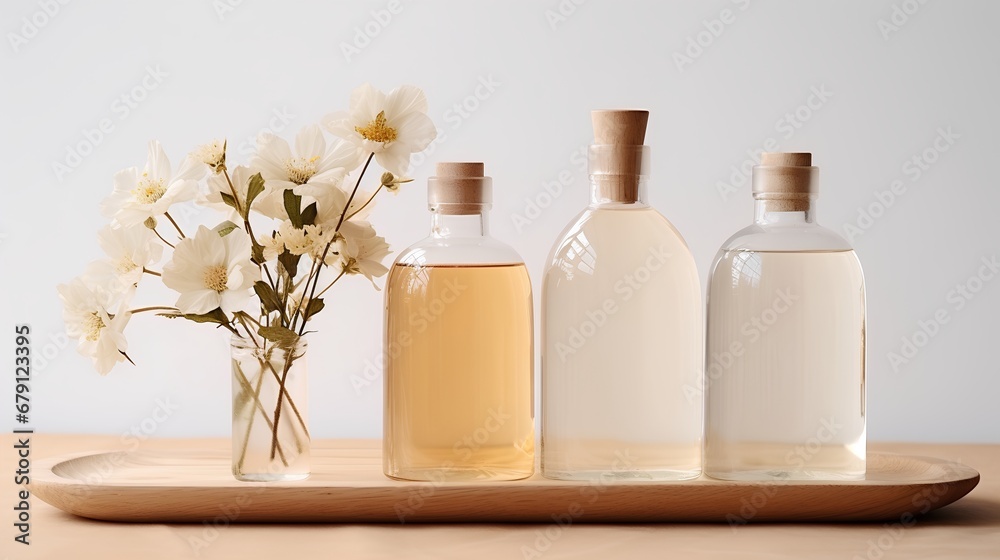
x,y
785,352
621,328
459,345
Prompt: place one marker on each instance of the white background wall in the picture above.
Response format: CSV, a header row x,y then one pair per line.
x,y
229,67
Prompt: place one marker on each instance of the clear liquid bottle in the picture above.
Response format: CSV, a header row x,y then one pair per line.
x,y
621,328
459,345
785,352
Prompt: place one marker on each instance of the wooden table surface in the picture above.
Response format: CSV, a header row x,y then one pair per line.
x,y
969,528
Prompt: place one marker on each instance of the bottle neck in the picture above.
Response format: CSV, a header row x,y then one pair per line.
x,y
784,211
618,191
448,225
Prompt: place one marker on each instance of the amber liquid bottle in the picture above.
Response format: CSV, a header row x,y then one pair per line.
x,y
458,340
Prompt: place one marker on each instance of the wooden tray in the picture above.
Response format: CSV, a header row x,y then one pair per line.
x,y
347,485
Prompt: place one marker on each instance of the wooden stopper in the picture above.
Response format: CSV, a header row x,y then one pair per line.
x,y
626,127
459,188
616,158
786,176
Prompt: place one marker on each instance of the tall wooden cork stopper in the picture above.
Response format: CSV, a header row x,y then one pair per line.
x,y
459,188
786,180
616,158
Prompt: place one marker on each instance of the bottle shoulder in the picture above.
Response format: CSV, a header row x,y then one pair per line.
x,y
433,250
786,237
611,239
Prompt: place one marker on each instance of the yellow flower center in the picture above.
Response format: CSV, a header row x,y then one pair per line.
x,y
92,326
126,265
377,130
300,170
216,278
149,190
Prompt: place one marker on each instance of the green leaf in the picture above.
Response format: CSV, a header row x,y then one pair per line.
x,y
293,206
309,215
290,263
314,307
279,335
228,199
217,316
268,298
254,188
225,228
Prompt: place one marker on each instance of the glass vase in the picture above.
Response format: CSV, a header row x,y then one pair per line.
x,y
270,432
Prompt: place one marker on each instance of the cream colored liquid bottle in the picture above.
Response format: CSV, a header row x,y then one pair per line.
x,y
459,345
621,328
785,353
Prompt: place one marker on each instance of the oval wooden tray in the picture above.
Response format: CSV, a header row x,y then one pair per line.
x,y
347,485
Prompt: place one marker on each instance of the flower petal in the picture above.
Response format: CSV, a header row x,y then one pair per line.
x,y
309,142
417,131
157,164
199,301
405,100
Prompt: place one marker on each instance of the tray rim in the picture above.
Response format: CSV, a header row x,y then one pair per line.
x,y
54,488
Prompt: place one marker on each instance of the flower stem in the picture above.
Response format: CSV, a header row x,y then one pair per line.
x,y
245,384
354,192
288,398
153,308
152,272
177,227
367,202
326,250
323,291
168,244
277,408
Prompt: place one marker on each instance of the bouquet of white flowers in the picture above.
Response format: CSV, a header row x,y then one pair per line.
x,y
289,216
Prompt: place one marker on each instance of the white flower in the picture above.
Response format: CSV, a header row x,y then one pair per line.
x,y
266,203
330,206
86,311
297,241
272,246
393,126
212,154
211,271
138,196
129,251
364,256
313,168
